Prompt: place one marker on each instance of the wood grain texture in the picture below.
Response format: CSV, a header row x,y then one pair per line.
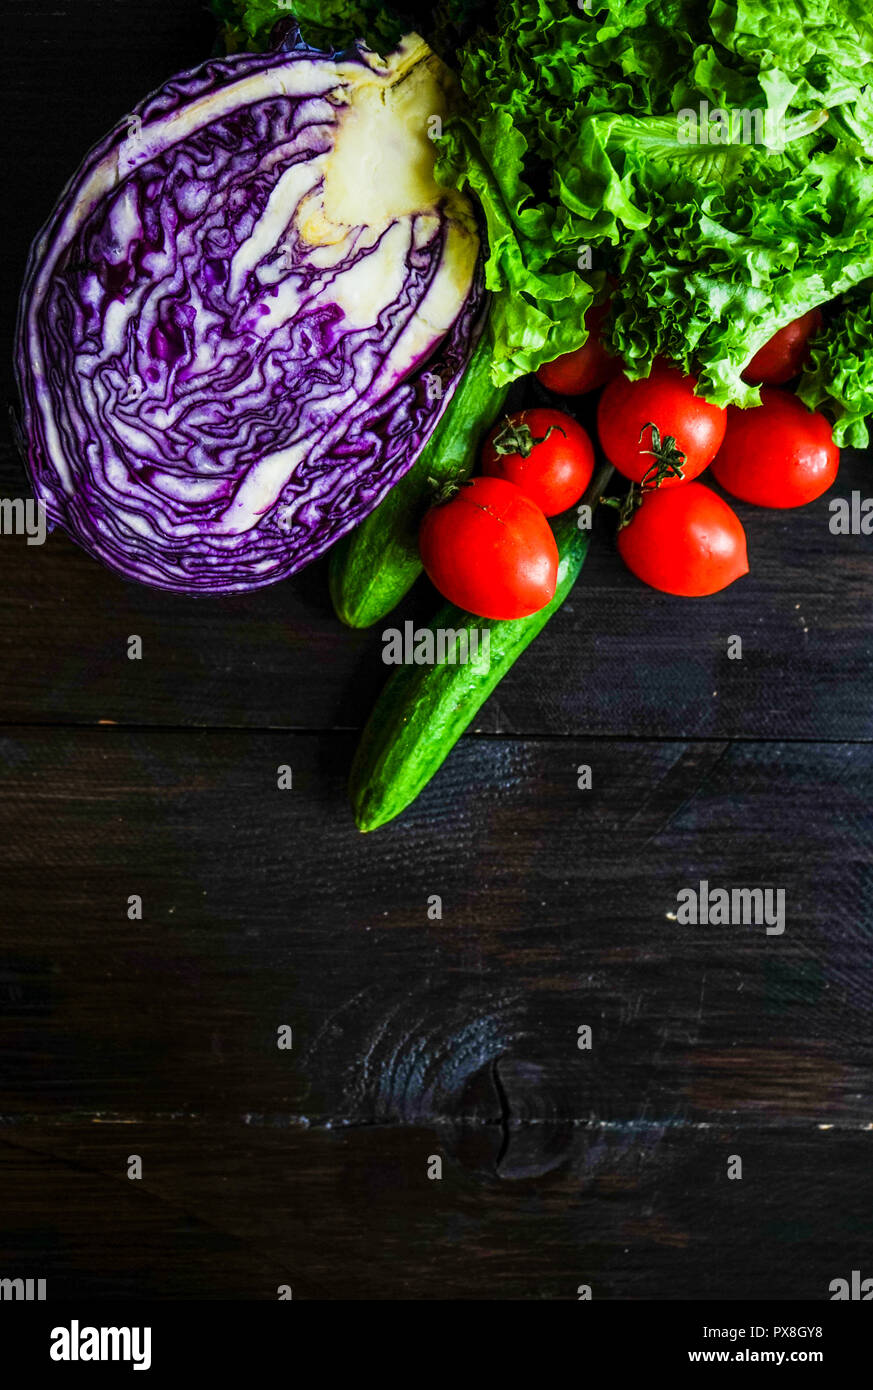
x,y
617,659
232,1212
263,907
414,1036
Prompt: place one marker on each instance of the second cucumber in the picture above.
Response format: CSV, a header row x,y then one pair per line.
x,y
423,709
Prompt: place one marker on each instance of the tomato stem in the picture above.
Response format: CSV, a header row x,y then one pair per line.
x,y
668,464
626,505
443,491
516,438
668,459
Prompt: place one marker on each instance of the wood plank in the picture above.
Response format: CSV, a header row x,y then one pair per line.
x,y
232,1212
619,659
263,908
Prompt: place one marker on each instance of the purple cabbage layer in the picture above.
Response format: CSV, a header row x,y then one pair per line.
x,y
162,384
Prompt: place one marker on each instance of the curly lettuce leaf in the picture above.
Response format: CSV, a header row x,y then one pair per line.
x,y
571,138
839,374
326,24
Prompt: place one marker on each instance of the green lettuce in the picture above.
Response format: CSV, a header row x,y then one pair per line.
x,y
336,24
571,137
329,24
839,375
572,133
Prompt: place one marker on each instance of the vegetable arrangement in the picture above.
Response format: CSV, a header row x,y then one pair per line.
x,y
282,305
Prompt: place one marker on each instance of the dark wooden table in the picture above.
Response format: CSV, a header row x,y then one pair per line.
x,y
413,1037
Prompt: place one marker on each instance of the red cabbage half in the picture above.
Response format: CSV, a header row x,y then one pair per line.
x,y
246,315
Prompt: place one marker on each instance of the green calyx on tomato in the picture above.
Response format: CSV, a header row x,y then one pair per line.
x,y
546,453
668,459
515,437
444,491
668,463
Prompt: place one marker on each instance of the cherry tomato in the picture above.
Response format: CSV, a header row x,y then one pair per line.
x,y
782,357
545,453
666,400
684,541
778,453
588,366
490,550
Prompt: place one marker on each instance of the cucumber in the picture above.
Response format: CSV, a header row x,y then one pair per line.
x,y
376,564
423,710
